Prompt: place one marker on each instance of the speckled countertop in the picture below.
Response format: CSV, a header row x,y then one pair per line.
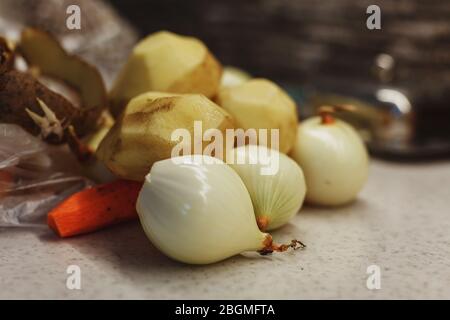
x,y
401,222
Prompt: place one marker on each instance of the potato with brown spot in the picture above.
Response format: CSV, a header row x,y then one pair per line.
x,y
142,135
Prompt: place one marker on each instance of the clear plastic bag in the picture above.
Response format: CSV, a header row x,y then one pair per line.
x,y
34,177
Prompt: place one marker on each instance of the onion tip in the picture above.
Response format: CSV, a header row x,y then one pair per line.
x,y
263,222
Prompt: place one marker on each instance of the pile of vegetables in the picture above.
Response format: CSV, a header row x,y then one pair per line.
x,y
196,208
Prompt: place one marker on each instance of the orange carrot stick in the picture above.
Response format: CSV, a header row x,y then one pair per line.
x,y
95,208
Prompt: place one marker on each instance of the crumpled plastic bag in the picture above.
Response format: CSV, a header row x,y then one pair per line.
x,y
34,177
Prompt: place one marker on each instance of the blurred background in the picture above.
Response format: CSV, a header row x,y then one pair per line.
x,y
321,52
297,40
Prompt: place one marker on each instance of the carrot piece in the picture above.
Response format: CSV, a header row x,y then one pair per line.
x,y
95,208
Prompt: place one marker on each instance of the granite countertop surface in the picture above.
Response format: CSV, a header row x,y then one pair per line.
x,y
400,222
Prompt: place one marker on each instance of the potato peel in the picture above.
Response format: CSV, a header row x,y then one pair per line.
x,y
44,54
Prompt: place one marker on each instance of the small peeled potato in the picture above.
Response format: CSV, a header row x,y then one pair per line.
x,y
261,104
233,76
166,62
142,134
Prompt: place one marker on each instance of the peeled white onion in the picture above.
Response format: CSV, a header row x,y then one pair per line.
x,y
275,182
197,210
334,160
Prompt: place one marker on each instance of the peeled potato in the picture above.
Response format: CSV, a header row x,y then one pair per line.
x,y
142,135
261,104
233,76
166,62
